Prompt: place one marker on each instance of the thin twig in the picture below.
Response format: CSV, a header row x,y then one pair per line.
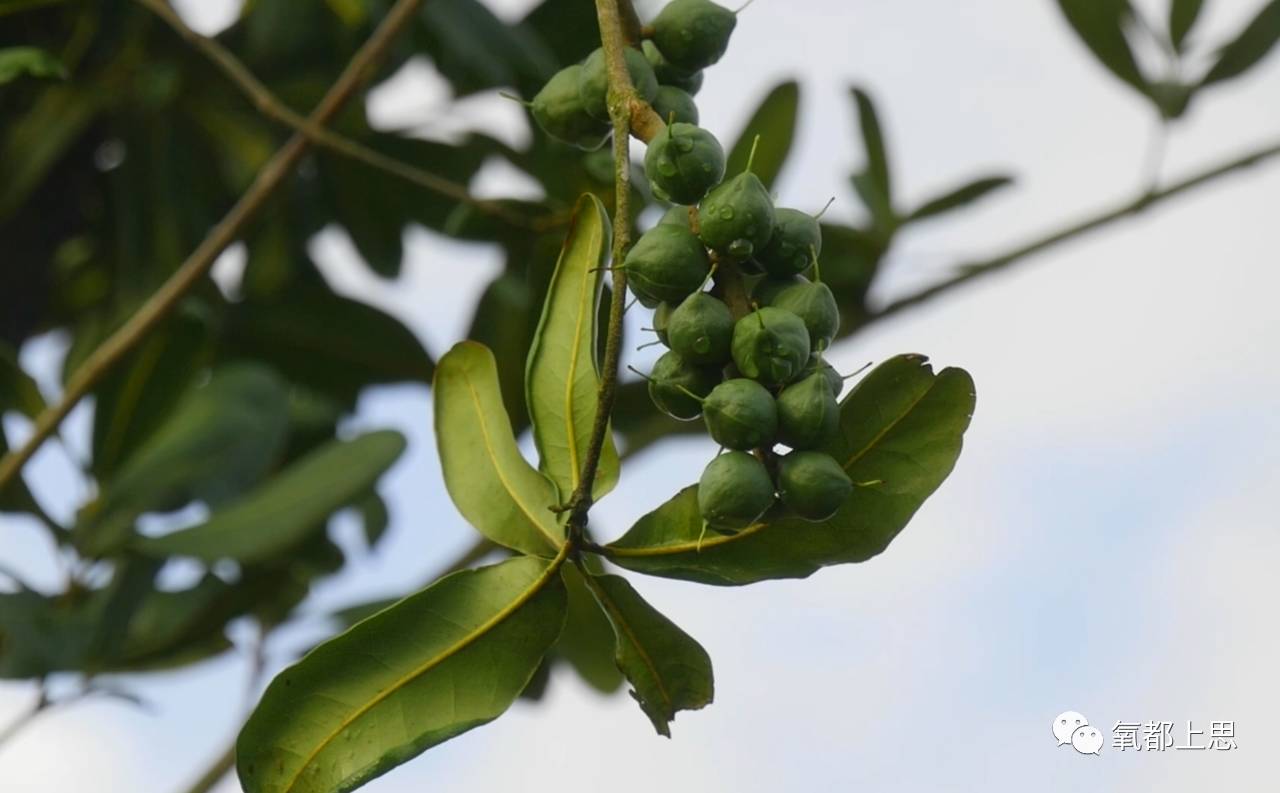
x,y
271,107
622,99
979,269
197,265
220,767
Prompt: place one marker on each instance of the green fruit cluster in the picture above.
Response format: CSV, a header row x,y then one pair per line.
x,y
687,36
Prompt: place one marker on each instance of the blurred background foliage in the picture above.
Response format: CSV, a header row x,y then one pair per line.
x,y
121,145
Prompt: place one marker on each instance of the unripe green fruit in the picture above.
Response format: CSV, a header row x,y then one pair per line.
x,y
558,110
770,345
593,81
666,263
701,329
736,217
814,304
661,320
819,366
693,34
797,237
741,414
668,74
807,412
734,491
671,376
683,162
678,215
674,105
813,484
769,287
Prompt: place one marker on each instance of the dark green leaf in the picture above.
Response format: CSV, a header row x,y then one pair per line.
x,y
1251,46
874,183
289,507
493,486
504,321
373,517
217,443
900,435
333,344
1182,17
33,61
775,122
563,380
439,663
18,391
1101,26
475,50
960,196
668,669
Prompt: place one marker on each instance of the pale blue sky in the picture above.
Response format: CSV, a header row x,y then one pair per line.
x,y
1105,545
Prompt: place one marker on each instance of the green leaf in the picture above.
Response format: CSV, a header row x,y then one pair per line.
x,y
494,488
1182,17
330,343
1251,46
505,321
1100,24
587,640
218,442
900,434
563,380
475,50
668,668
374,518
32,61
960,196
289,507
874,183
438,663
775,122
18,391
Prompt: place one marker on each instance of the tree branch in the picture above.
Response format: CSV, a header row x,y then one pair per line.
x,y
975,270
622,100
197,265
271,107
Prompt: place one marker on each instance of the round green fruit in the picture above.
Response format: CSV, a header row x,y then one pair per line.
x,y
661,321
683,162
734,491
558,110
676,386
741,414
701,329
674,105
812,484
668,74
678,215
593,81
770,345
737,217
819,366
796,238
769,287
666,263
814,304
693,34
807,412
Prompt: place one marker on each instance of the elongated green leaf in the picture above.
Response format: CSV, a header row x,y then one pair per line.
x,y
900,434
775,122
874,183
960,196
32,61
1101,24
1251,46
1182,17
216,444
438,663
494,488
563,381
587,640
18,391
505,320
292,505
668,668
330,343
